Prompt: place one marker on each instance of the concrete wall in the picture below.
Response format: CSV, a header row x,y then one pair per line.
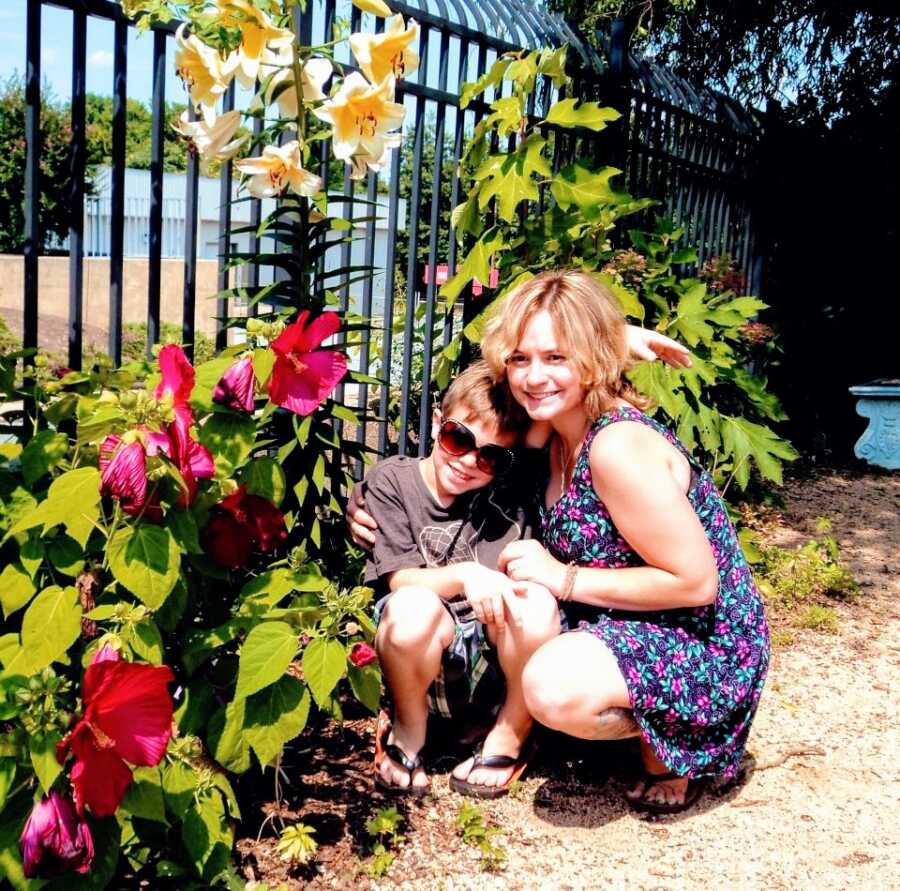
x,y
53,301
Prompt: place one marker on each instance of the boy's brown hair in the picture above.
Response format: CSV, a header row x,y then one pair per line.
x,y
478,393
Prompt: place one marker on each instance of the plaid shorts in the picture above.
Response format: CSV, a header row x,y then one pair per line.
x,y
470,679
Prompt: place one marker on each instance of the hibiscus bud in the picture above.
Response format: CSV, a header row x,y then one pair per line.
x,y
351,628
362,654
55,839
235,387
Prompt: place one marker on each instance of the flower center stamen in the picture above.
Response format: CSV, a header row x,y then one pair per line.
x,y
367,124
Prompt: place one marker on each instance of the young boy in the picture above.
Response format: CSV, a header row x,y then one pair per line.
x,y
453,632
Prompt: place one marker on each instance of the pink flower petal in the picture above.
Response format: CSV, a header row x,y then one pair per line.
x,y
303,392
177,374
319,329
124,473
55,839
99,777
235,388
291,339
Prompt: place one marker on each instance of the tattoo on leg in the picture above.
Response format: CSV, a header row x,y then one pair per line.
x,y
616,723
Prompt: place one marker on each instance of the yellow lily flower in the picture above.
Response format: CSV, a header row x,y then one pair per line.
x,y
200,67
313,75
258,36
278,168
362,114
213,142
362,162
376,7
389,53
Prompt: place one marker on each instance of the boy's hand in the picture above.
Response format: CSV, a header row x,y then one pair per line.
x,y
487,591
362,526
646,345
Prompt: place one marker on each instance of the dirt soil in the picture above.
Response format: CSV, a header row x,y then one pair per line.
x,y
817,807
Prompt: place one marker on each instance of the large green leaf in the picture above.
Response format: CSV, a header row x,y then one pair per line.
x,y
743,440
66,555
225,738
207,834
146,560
691,320
265,477
628,300
44,452
568,113
73,500
230,438
144,797
16,588
583,188
510,185
51,624
275,716
266,590
178,783
42,749
324,664
265,656
366,685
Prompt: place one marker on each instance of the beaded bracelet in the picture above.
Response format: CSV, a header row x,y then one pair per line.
x,y
569,581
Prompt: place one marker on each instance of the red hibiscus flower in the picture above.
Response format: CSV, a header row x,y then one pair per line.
x,y
55,839
235,387
177,380
362,655
303,377
127,716
240,522
123,472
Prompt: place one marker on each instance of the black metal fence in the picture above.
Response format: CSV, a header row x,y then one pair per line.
x,y
691,149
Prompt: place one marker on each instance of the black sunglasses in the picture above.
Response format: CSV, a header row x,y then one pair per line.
x,y
456,439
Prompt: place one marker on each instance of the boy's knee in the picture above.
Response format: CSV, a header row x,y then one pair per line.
x,y
410,618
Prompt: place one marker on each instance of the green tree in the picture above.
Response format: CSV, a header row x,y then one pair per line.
x,y
56,137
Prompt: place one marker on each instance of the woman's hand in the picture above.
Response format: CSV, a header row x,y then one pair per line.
x,y
530,561
362,526
647,345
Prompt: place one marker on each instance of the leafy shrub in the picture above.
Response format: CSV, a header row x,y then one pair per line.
x,y
384,829
475,832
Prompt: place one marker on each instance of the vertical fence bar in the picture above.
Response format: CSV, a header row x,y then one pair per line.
x,y
117,204
434,226
76,186
156,190
189,296
32,247
255,220
225,178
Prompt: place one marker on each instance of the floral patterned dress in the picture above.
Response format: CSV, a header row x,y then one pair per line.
x,y
694,676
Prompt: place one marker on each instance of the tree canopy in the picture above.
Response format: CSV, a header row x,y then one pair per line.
x,y
823,58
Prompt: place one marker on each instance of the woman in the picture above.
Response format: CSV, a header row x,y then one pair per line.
x,y
636,543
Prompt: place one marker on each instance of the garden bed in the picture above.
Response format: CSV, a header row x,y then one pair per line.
x,y
816,807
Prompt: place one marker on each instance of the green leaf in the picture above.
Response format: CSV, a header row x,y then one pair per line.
x,y
97,420
275,716
628,300
691,316
324,664
178,784
73,500
508,182
263,363
226,740
146,642
199,645
477,264
146,560
265,477
266,590
208,375
45,450
52,623
490,79
144,797
230,438
183,526
206,833
16,588
7,778
592,115
743,440
31,553
66,555
42,749
553,65
318,473
366,685
265,656
576,185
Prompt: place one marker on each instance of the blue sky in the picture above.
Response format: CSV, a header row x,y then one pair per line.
x,y
56,54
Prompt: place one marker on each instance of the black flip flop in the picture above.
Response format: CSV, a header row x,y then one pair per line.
x,y
384,749
499,762
693,791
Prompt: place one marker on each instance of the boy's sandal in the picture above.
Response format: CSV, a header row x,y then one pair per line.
x,y
384,749
646,805
498,762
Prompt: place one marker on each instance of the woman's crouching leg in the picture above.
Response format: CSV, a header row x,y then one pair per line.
x,y
572,682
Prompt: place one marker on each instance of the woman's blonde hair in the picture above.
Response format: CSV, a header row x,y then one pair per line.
x,y
588,323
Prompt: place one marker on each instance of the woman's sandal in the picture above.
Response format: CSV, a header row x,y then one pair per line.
x,y
384,749
692,792
498,762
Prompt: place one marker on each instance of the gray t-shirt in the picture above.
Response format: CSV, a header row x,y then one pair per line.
x,y
415,531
